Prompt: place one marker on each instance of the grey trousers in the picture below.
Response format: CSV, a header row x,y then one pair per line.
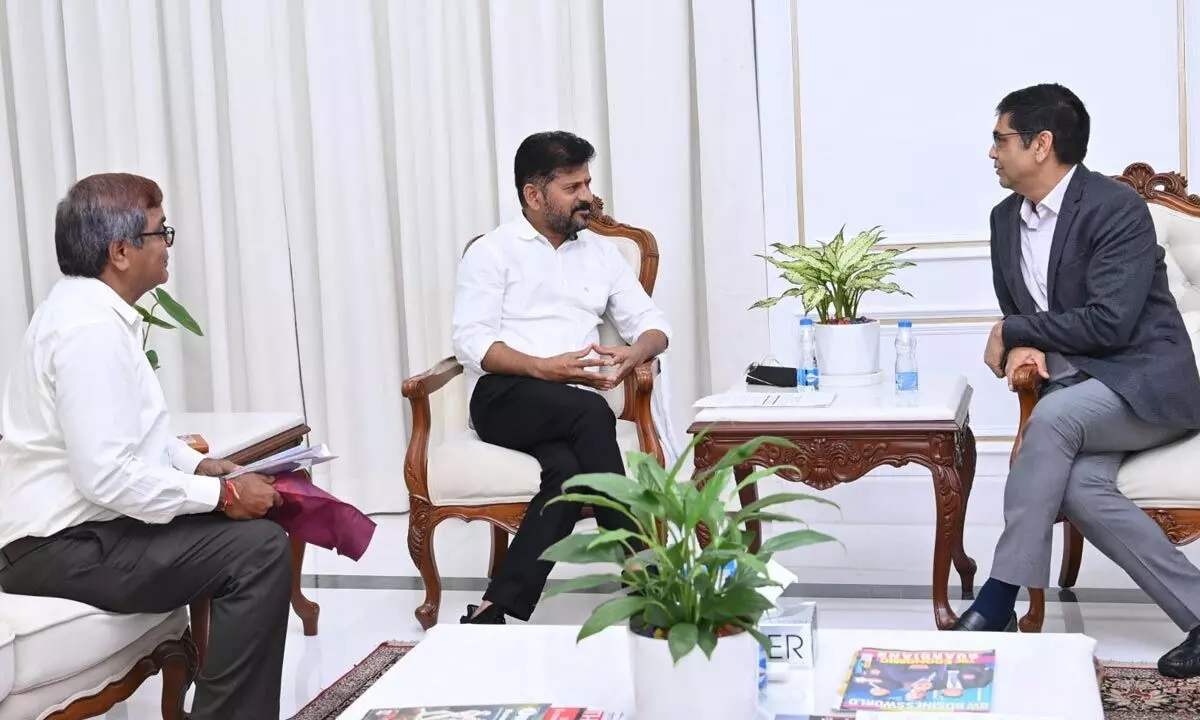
x,y
127,566
1072,447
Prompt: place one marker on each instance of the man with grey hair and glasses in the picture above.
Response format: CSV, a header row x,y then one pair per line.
x,y
99,502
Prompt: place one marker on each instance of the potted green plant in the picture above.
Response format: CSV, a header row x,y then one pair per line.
x,y
692,611
162,299
830,279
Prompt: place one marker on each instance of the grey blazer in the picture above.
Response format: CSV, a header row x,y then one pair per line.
x,y
1111,314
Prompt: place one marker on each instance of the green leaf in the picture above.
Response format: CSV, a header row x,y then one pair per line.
x,y
611,613
656,615
795,539
738,601
707,641
777,499
152,319
576,548
681,639
585,582
177,312
613,537
617,487
589,499
152,357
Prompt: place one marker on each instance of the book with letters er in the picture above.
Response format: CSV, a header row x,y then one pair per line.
x,y
523,711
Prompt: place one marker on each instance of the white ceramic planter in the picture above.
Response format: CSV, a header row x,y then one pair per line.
x,y
848,349
697,688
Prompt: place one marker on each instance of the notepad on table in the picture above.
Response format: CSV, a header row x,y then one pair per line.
x,y
761,399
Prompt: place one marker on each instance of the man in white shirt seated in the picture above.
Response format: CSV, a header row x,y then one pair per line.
x,y
99,502
527,313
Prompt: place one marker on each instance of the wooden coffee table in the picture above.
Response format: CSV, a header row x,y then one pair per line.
x,y
863,429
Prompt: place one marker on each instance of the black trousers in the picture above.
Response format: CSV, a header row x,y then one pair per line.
x,y
128,566
569,431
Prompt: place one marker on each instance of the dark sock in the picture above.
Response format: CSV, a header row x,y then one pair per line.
x,y
996,602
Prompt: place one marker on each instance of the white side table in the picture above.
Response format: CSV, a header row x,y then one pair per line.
x,y
864,428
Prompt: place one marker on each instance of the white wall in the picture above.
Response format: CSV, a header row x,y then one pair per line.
x,y
896,104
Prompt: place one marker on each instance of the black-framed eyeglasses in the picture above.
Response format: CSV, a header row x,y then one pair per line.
x,y
168,235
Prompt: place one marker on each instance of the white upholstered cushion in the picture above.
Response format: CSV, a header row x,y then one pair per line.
x,y
1164,477
464,470
7,666
45,626
1179,234
126,648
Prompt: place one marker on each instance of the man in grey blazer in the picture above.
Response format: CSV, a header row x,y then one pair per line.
x,y
1082,284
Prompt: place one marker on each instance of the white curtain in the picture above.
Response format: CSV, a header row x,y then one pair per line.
x,y
325,162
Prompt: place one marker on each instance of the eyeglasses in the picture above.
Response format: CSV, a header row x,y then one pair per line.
x,y
168,234
997,137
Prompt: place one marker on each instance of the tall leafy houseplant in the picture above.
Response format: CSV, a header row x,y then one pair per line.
x,y
832,278
162,299
676,592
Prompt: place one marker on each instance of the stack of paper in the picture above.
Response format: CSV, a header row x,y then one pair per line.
x,y
767,399
297,458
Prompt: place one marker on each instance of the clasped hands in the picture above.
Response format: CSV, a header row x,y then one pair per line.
x,y
993,356
252,494
573,367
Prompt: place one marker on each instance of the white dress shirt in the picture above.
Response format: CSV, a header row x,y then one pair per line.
x,y
1037,235
86,435
515,288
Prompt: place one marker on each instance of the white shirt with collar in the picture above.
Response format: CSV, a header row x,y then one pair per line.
x,y
86,434
1037,235
515,288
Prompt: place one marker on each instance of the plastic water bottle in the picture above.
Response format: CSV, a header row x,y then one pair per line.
x,y
906,358
808,376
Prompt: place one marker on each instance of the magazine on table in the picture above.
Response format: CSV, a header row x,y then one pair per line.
x,y
922,680
520,711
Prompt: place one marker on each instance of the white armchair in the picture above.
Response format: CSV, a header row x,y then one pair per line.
x,y
1155,480
63,660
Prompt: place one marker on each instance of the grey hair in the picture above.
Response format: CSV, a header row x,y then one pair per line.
x,y
98,211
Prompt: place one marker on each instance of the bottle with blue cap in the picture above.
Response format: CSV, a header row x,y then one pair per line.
x,y
808,376
906,358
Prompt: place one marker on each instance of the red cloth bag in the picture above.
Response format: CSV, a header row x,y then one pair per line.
x,y
318,518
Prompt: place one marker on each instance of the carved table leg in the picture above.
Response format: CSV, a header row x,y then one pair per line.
x,y
305,609
948,491
963,563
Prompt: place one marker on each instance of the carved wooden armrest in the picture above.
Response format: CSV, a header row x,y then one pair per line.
x,y
418,389
432,380
639,391
1027,384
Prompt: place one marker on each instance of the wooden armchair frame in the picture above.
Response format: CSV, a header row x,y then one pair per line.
x,y
1182,525
505,518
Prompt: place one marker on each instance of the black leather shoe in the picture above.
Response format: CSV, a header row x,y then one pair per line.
x,y
972,621
491,615
1183,661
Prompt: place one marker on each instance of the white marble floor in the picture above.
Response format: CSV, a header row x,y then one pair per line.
x,y
366,603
